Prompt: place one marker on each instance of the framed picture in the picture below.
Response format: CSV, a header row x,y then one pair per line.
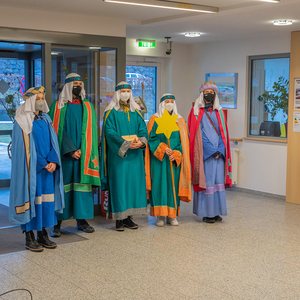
x,y
227,86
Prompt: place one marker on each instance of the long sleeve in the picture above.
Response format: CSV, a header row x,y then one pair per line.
x,y
156,146
114,141
67,145
143,132
52,157
208,148
221,147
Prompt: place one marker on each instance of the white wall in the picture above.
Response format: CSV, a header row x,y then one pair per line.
x,y
62,22
262,164
174,69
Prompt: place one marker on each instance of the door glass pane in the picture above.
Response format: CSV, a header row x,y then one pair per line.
x,y
15,78
137,76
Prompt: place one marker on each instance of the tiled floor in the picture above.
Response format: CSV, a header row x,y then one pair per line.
x,y
253,254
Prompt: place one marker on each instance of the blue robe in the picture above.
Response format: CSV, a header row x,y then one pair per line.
x,y
212,201
35,193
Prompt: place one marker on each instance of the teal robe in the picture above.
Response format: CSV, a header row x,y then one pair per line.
x,y
74,128
123,176
161,194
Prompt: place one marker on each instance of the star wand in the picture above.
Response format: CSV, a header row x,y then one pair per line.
x,y
167,125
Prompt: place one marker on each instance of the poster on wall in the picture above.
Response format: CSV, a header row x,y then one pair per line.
x,y
296,122
297,94
227,87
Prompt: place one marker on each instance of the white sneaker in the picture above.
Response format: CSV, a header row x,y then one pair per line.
x,y
160,221
173,221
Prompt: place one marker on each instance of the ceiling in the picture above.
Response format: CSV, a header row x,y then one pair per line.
x,y
235,19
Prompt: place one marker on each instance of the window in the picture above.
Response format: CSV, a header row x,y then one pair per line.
x,y
269,88
143,81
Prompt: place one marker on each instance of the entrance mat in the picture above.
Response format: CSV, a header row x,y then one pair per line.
x,y
12,239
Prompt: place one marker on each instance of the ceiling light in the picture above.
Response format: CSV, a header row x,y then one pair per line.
x,y
94,48
274,1
192,34
282,22
54,53
169,5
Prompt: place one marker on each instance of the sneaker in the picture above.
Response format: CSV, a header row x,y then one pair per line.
x,y
218,218
128,223
160,221
83,225
119,225
173,221
209,220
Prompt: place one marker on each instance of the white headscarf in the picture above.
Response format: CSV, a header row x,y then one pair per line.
x,y
115,101
201,103
161,107
25,113
66,93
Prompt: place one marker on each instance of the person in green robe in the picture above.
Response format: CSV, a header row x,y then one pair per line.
x,y
75,122
124,139
159,153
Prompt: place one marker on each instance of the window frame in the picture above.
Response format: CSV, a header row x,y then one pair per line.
x,y
249,95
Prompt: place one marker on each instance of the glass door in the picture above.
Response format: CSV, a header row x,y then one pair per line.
x,y
18,69
97,67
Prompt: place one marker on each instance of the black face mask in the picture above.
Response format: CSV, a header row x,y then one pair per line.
x,y
209,97
76,90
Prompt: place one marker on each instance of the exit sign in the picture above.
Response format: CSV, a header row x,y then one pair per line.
x,y
146,44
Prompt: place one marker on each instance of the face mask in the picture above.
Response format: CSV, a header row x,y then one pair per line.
x,y
124,96
76,90
39,105
209,97
169,107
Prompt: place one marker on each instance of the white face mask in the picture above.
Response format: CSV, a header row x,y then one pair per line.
x,y
39,105
169,107
124,96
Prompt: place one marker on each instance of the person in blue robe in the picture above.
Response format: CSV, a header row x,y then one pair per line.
x,y
36,190
210,152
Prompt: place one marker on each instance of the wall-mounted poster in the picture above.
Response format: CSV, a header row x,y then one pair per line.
x,y
297,94
227,86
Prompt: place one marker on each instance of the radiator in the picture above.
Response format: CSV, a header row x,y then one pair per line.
x,y
235,164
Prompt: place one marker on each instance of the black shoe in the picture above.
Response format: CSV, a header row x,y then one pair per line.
x,y
129,223
43,239
84,226
31,244
209,220
218,218
119,225
55,232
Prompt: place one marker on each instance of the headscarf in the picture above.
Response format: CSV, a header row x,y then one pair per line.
x,y
200,100
115,101
161,107
66,93
25,113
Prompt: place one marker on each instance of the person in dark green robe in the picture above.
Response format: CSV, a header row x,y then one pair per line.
x,y
124,139
75,122
158,167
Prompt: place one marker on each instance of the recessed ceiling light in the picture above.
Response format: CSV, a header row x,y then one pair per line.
x,y
282,22
192,34
94,47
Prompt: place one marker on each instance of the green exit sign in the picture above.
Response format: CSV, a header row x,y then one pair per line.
x,y
147,44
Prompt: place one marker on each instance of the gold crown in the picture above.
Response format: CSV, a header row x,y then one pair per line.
x,y
210,82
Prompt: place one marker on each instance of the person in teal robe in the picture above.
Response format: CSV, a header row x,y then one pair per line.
x,y
36,189
124,139
158,173
74,120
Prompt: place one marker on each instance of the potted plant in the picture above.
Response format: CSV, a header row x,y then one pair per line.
x,y
278,99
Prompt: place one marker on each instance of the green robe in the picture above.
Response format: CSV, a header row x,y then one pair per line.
x,y
124,177
73,127
161,195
